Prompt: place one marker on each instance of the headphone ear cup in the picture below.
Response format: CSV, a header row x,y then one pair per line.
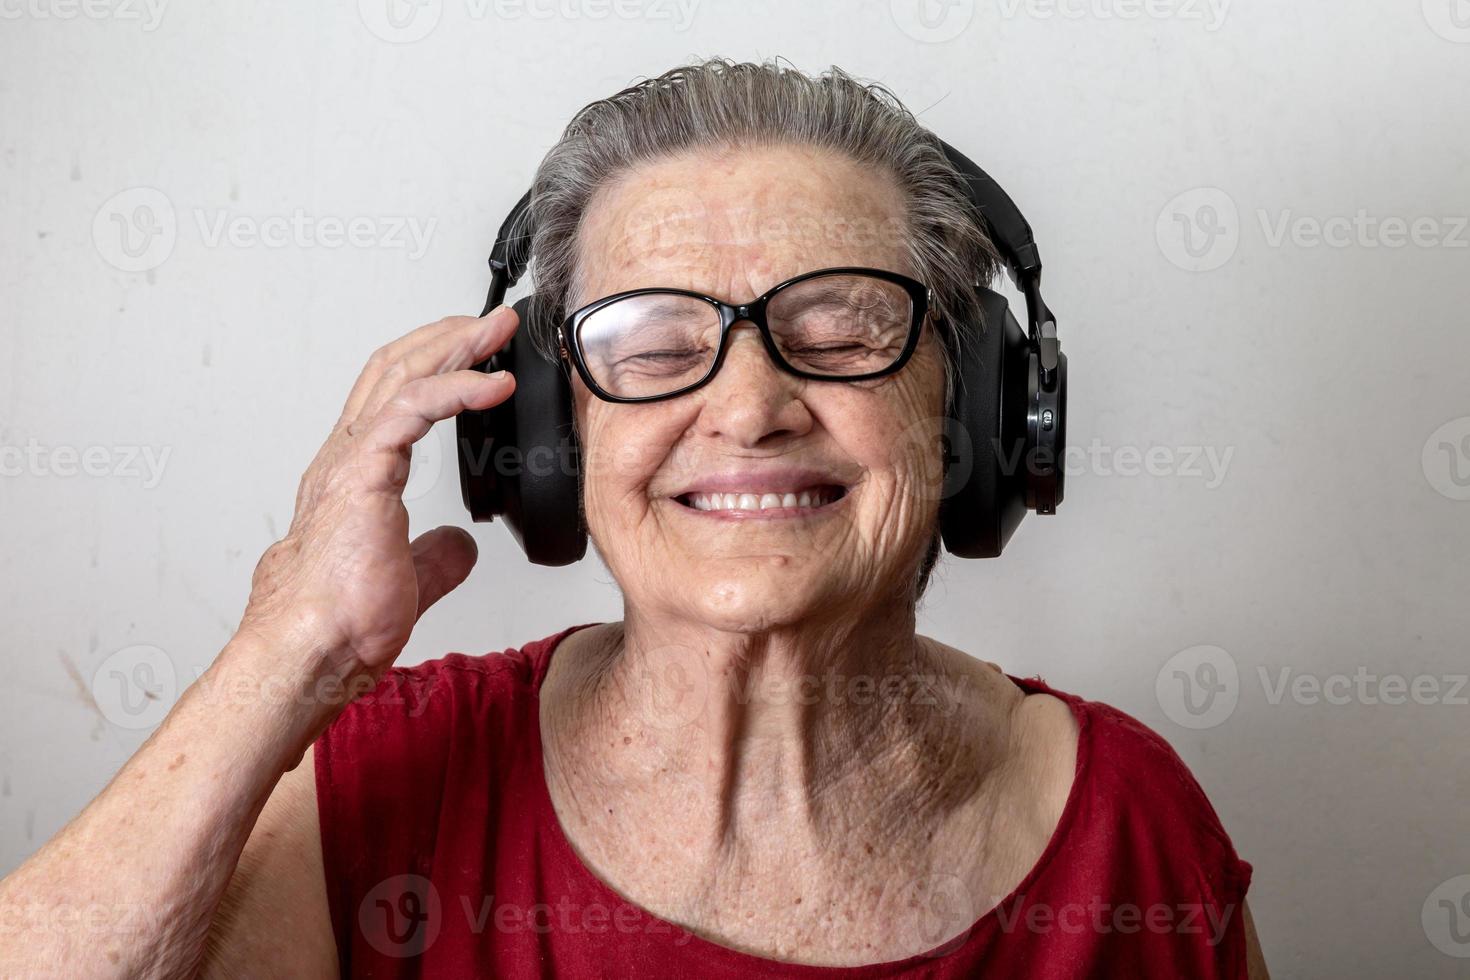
x,y
983,507
520,460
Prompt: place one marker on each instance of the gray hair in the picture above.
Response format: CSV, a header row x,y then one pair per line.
x,y
718,103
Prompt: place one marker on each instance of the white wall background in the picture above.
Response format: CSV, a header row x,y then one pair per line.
x,y
1331,541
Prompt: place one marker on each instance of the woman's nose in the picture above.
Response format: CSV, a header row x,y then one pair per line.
x,y
750,399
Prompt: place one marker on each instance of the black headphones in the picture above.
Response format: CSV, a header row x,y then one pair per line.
x,y
520,460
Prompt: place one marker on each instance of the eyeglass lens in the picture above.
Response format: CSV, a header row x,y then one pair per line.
x,y
655,343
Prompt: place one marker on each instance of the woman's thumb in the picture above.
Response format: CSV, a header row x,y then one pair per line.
x,y
442,559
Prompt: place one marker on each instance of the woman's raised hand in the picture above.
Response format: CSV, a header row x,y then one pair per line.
x,y
345,580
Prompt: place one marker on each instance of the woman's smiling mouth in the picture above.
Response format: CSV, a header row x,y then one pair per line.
x,y
749,504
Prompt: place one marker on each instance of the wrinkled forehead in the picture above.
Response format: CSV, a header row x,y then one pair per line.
x,y
733,224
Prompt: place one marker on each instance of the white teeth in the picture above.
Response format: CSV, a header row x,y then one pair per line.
x,y
765,501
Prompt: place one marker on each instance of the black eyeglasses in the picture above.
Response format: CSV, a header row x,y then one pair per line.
x,y
843,324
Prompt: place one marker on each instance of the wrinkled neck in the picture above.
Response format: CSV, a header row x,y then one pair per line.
x,y
815,728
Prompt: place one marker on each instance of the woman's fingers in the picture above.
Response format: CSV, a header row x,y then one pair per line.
x,y
382,357
386,440
450,345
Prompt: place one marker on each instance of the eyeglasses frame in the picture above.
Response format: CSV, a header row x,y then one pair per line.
x,y
920,296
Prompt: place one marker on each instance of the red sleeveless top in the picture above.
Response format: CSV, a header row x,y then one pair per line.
x,y
444,857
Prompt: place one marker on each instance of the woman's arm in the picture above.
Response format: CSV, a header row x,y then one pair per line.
x,y
131,886
1255,963
273,919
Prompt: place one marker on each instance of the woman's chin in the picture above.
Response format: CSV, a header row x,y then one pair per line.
x,y
760,600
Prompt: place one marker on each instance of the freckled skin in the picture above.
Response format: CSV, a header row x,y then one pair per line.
x,y
694,753
697,222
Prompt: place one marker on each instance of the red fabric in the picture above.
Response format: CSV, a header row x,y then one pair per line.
x,y
444,857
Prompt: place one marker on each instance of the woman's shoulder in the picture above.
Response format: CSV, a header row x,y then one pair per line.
x,y
416,714
497,676
1132,785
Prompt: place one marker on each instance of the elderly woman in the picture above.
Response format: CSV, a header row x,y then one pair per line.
x,y
762,770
